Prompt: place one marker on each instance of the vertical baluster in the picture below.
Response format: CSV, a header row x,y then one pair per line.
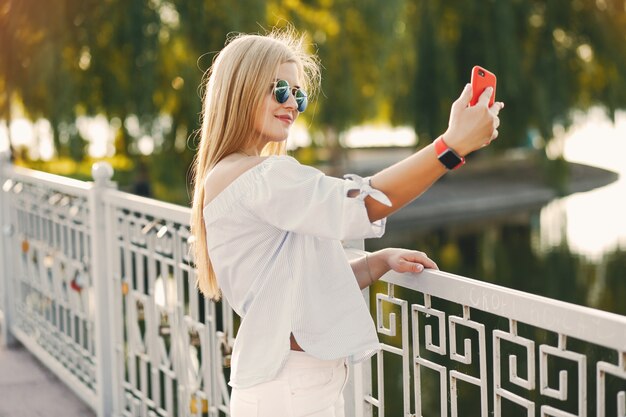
x,y
102,173
6,253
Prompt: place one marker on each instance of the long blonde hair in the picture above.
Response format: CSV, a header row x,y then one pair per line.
x,y
236,85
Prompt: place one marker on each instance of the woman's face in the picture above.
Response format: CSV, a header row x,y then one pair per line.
x,y
274,119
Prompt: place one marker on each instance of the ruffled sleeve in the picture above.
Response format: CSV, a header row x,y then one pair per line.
x,y
302,199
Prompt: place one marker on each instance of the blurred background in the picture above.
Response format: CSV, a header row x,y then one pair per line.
x,y
120,80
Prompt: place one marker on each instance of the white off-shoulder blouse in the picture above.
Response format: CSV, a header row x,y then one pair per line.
x,y
274,239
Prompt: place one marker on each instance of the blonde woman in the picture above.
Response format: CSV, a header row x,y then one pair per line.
x,y
268,230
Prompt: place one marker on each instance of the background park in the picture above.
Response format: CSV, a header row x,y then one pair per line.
x,y
120,80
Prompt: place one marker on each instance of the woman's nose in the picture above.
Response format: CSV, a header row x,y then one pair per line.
x,y
291,102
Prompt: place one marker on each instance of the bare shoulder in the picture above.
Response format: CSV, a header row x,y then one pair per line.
x,y
225,172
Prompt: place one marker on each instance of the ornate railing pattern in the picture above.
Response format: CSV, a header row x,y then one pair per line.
x,y
582,349
167,338
100,286
48,236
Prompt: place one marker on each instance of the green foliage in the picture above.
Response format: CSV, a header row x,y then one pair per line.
x,y
398,61
550,57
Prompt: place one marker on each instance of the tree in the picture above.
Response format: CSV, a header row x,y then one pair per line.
x,y
19,37
550,58
50,91
402,61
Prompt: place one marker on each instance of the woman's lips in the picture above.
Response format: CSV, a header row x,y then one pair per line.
x,y
285,118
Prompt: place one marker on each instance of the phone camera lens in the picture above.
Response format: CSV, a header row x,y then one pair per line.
x,y
481,73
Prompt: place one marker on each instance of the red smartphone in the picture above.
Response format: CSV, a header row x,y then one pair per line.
x,y
481,79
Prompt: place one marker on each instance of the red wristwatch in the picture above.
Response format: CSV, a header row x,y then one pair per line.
x,y
447,156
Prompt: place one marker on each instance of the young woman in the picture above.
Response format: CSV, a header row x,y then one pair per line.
x,y
268,230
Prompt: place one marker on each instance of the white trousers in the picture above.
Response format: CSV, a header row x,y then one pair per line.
x,y
306,386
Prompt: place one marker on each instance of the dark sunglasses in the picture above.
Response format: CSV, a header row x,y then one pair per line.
x,y
281,91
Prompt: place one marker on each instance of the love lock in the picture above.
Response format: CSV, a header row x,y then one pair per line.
x,y
198,405
124,287
227,360
227,351
78,282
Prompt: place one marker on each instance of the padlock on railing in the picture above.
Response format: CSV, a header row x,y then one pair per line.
x,y
78,282
226,349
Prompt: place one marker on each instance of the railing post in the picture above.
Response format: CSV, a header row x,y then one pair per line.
x,y
102,173
360,381
6,267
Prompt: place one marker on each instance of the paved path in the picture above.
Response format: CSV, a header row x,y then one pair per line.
x,y
28,389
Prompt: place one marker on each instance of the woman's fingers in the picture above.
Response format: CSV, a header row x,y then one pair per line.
x,y
413,261
497,106
484,98
495,110
407,266
471,128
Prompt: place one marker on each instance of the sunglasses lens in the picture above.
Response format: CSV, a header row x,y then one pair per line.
x,y
302,100
281,91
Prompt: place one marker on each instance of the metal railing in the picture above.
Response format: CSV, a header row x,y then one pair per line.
x,y
98,284
488,339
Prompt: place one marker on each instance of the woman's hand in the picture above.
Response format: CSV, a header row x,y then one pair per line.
x,y
371,267
404,260
471,128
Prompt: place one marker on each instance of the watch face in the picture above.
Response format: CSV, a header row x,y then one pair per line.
x,y
449,159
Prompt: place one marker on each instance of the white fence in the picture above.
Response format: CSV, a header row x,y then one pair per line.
x,y
98,285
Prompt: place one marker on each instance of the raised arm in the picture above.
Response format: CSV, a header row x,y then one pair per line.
x,y
469,129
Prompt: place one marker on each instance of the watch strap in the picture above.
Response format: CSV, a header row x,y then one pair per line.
x,y
446,155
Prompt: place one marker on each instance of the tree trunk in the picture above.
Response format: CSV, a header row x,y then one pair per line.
x,y
58,148
121,139
7,121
